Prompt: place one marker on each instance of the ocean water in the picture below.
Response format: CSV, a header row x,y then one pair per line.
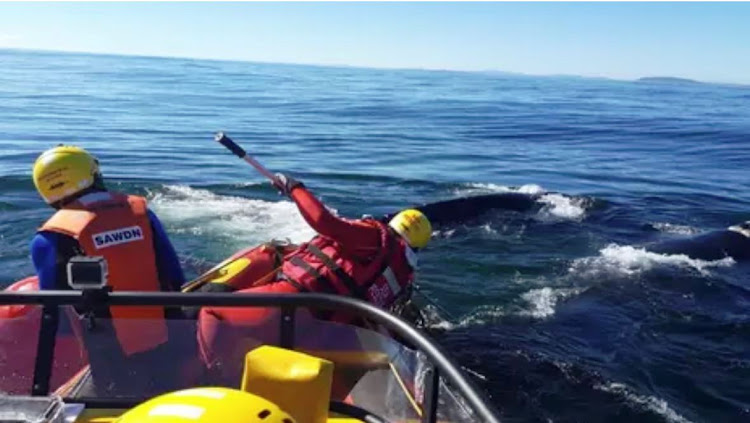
x,y
559,314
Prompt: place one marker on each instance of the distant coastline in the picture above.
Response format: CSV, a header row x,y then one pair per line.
x,y
668,80
495,72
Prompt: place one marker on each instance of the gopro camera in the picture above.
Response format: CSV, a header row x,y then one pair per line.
x,y
87,272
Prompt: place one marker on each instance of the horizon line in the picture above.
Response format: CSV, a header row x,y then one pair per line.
x,y
395,68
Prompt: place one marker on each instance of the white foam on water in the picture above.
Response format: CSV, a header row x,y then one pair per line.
x,y
251,184
489,229
531,189
542,301
555,207
560,207
482,188
447,234
539,304
671,228
434,320
478,316
479,188
244,221
628,260
482,315
644,402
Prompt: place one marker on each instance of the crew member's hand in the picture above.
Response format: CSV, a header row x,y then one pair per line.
x,y
285,184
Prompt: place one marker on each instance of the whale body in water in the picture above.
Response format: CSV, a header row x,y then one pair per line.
x,y
463,209
732,242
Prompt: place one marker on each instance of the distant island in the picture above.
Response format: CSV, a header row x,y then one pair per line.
x,y
668,80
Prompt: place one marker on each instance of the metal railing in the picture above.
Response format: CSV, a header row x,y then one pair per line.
x,y
442,366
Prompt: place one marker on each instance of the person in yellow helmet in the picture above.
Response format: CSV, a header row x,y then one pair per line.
x,y
363,258
92,221
204,405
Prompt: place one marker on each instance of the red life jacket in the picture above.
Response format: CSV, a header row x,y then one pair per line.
x,y
117,227
321,266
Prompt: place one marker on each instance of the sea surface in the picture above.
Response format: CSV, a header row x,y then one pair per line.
x,y
560,315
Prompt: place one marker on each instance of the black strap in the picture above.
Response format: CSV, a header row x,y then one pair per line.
x,y
320,314
293,282
278,247
45,350
278,257
324,283
347,280
215,287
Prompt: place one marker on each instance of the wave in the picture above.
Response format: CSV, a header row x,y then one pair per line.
x,y
478,188
559,207
16,183
627,260
537,304
671,228
242,221
8,206
555,207
644,402
542,301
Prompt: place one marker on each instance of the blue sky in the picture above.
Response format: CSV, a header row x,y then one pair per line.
x,y
705,41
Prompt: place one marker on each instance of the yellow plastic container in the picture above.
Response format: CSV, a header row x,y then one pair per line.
x,y
299,383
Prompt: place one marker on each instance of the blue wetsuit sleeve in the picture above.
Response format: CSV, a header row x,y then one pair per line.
x,y
167,262
44,257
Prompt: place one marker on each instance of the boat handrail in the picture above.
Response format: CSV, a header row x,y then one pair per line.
x,y
442,366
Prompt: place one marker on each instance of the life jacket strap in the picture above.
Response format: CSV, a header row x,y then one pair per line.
x,y
320,314
293,282
347,280
320,279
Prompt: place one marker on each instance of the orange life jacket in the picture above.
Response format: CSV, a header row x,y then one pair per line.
x,y
117,227
320,266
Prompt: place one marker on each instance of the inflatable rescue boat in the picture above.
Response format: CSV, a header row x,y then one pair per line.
x,y
59,360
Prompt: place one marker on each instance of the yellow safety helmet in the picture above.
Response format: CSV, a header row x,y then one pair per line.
x,y
201,405
413,226
64,171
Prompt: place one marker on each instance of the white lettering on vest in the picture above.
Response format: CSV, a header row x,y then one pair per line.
x,y
117,236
